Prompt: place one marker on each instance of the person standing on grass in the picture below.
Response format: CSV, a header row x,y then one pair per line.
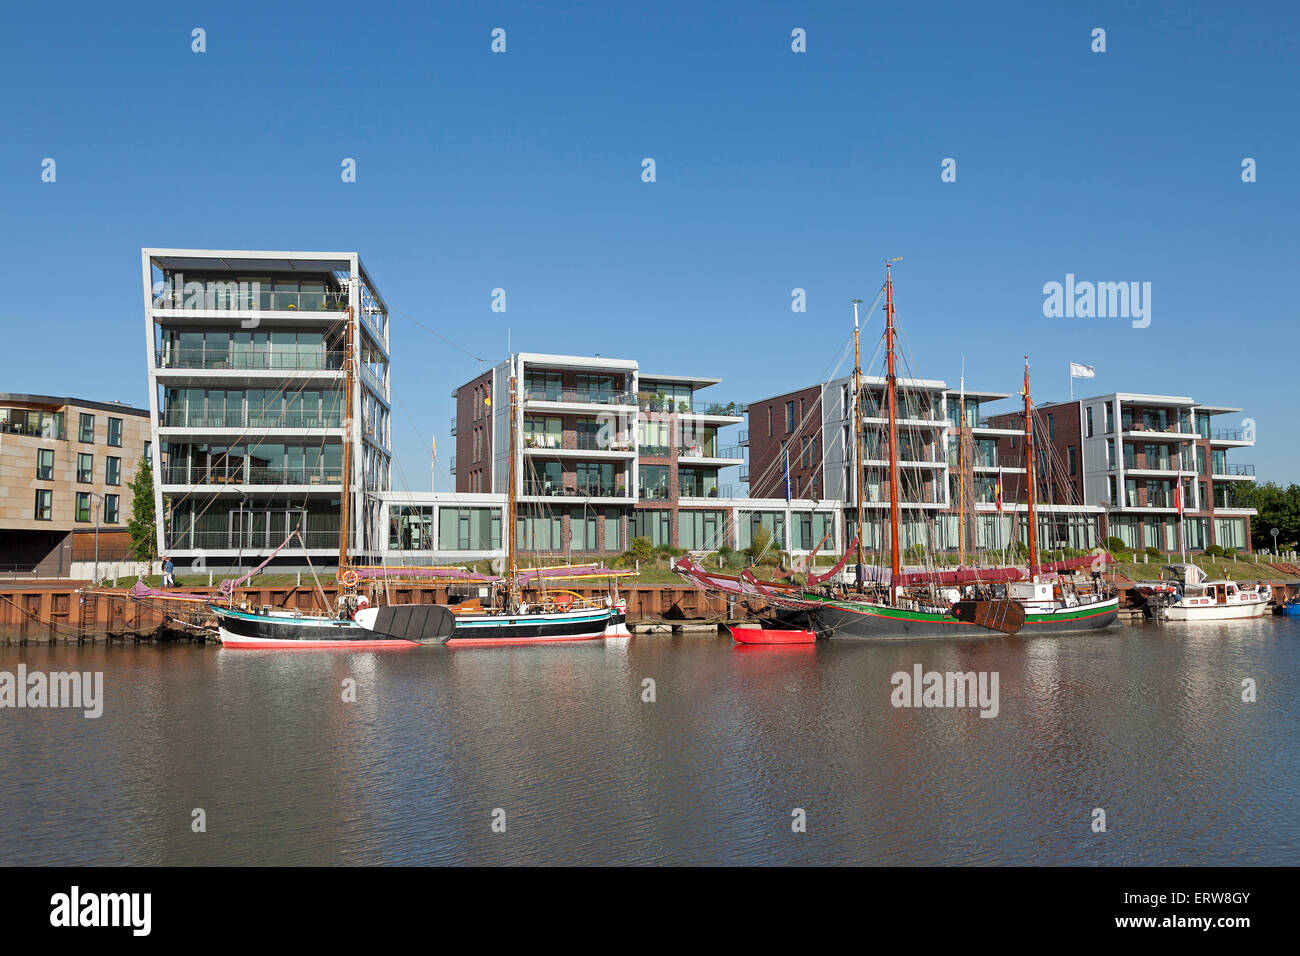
x,y
169,576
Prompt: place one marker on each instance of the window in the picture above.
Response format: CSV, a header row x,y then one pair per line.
x,y
803,451
1088,415
83,506
654,482
769,421
1113,491
613,531
45,464
115,432
789,417
111,509
1072,455
87,433
112,471
148,452
85,468
44,504
1051,425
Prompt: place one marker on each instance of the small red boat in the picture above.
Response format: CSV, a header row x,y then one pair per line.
x,y
762,635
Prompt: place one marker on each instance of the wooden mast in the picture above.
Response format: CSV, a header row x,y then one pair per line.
x,y
512,580
1029,476
961,473
860,572
345,508
895,564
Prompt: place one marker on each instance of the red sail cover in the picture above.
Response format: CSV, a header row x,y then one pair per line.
x,y
819,578
962,576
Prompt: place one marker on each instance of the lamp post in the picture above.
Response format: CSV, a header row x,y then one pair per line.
x,y
96,494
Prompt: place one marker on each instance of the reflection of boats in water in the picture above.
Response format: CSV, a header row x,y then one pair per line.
x,y
1185,594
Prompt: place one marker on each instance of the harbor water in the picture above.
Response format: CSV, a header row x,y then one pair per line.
x,y
666,750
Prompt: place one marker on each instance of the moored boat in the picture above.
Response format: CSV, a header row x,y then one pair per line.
x,y
1186,594
771,635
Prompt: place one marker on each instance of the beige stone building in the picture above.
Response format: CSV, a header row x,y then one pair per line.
x,y
65,469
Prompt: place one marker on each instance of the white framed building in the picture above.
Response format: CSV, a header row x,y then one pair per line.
x,y
245,353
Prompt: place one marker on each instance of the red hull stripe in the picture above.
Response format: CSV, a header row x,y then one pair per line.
x,y
487,641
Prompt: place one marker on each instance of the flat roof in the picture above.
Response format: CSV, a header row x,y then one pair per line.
x,y
576,361
19,399
1218,409
251,259
694,381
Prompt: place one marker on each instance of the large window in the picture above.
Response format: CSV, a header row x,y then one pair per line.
x,y
652,439
654,482
112,470
469,529
701,530
653,524
809,530
44,504
697,483
582,530
25,421
111,507
86,432
115,432
45,464
83,506
539,533
613,530
773,521
85,468
543,432
789,417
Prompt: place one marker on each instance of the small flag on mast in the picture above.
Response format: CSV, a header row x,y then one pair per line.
x,y
1178,494
1082,371
999,490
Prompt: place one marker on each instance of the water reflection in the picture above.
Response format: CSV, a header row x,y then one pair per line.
x,y
1144,721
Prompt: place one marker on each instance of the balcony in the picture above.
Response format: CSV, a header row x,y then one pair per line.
x,y
1229,436
251,359
705,491
453,425
707,454
683,406
180,418
578,397
548,489
453,464
656,451
1230,472
235,474
744,436
233,296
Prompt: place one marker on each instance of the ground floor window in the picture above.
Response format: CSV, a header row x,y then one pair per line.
x,y
655,525
1230,532
772,521
469,529
613,530
701,530
582,530
538,533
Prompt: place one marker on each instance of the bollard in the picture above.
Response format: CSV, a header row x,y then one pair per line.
x,y
209,578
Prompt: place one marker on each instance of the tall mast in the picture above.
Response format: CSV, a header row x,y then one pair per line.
x,y
892,385
345,504
860,572
512,581
961,471
1029,476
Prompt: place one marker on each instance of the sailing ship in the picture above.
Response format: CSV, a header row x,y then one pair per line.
x,y
1185,593
967,602
550,616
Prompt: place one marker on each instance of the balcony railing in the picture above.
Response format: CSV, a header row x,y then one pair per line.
x,y
238,419
1227,434
705,491
551,489
233,541
1235,470
586,442
744,436
252,359
655,451
453,464
576,396
685,406
247,298
453,424
235,474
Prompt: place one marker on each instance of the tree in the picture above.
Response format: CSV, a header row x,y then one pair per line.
x,y
144,538
1278,507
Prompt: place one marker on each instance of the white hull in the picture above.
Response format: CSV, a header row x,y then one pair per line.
x,y
1216,612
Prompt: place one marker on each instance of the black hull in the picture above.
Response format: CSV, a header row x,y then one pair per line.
x,y
844,625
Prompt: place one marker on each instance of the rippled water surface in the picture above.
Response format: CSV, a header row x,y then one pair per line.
x,y
1144,721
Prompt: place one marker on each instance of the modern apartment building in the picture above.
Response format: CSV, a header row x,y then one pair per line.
x,y
245,353
65,467
604,452
1126,452
812,429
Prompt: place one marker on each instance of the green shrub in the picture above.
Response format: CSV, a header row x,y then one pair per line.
x,y
1155,553
641,549
1214,551
1114,543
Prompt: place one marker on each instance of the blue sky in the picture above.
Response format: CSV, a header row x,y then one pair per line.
x,y
775,170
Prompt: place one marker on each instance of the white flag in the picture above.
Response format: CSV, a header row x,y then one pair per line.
x,y
1082,371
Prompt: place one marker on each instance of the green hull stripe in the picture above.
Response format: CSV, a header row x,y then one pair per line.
x,y
902,614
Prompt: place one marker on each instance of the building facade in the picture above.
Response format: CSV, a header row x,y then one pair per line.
x,y
245,352
952,456
1127,452
65,469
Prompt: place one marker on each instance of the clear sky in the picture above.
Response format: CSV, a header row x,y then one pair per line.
x,y
775,170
